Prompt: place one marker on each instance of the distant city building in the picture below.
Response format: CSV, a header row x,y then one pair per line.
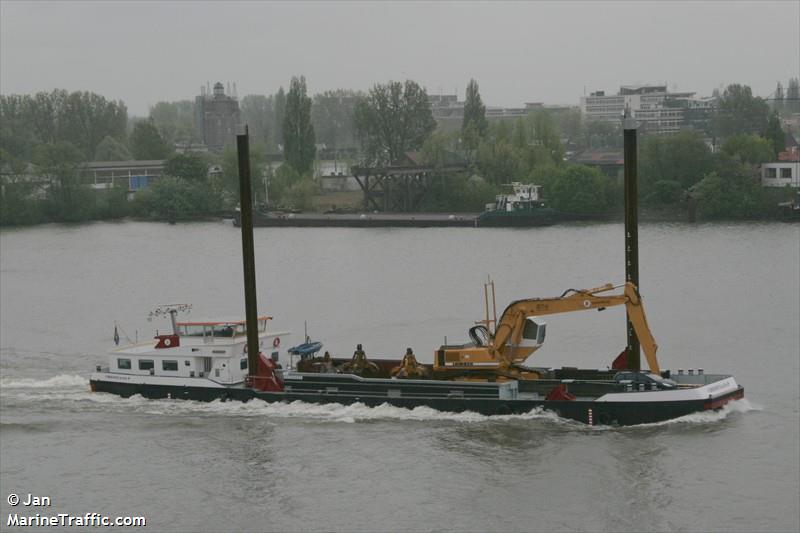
x,y
217,117
448,111
659,111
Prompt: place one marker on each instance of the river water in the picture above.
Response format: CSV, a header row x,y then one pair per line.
x,y
723,297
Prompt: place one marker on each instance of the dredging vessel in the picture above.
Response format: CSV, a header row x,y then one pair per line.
x,y
243,360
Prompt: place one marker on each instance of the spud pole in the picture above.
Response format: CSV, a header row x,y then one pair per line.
x,y
248,251
631,230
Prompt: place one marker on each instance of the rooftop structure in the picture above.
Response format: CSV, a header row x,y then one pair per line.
x,y
217,117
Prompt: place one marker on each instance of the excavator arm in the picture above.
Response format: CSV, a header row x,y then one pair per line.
x,y
510,326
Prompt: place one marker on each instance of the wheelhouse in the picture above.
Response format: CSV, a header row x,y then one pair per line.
x,y
212,349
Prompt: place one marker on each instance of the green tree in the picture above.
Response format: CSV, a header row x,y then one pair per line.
x,y
683,158
229,185
279,112
298,131
147,143
777,98
738,111
175,121
111,149
191,167
519,137
300,194
18,203
67,199
174,199
598,134
332,116
86,118
580,189
81,118
775,134
792,100
736,195
547,136
570,124
750,149
258,113
474,125
497,161
392,119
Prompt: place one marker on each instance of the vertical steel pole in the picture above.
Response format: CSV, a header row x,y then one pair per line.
x,y
248,251
631,230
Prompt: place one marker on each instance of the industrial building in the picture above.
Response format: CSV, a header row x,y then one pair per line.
x,y
659,111
217,117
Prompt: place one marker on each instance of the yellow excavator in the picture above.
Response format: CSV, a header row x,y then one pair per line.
x,y
499,354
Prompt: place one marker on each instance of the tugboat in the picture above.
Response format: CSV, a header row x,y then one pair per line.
x,y
523,207
241,360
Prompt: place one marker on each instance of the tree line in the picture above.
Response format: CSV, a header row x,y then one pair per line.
x,y
51,134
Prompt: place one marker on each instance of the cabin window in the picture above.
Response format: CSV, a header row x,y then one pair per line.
x,y
186,362
171,366
243,364
772,172
146,364
223,331
786,172
124,364
191,331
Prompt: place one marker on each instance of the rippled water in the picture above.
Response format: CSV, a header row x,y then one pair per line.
x,y
721,297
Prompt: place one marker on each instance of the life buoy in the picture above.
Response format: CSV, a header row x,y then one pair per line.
x,y
167,342
276,342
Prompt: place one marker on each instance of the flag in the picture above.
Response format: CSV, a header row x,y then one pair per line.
x,y
116,335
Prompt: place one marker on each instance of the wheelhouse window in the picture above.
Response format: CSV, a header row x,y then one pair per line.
x,y
243,364
124,364
786,172
146,364
191,331
241,329
223,331
171,366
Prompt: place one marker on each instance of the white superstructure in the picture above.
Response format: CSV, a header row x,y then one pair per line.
x,y
213,350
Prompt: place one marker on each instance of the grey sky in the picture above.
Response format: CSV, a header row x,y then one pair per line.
x,y
144,52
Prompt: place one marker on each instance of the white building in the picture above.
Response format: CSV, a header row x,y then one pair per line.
x,y
659,111
781,174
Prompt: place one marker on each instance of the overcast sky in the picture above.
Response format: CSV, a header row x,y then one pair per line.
x,y
144,52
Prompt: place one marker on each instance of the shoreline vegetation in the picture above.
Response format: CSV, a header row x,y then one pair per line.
x,y
47,138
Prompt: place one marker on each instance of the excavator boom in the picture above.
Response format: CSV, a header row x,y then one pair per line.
x,y
510,326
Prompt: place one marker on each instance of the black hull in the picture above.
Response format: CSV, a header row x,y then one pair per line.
x,y
587,412
371,220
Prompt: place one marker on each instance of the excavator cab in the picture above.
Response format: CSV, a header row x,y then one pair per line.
x,y
533,332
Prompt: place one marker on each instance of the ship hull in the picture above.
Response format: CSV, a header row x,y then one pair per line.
x,y
638,410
